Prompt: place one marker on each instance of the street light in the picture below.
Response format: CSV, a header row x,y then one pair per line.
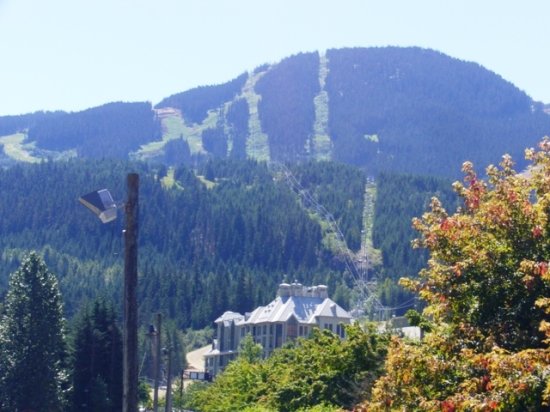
x,y
101,203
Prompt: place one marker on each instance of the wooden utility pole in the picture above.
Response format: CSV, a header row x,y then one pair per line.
x,y
130,360
156,366
168,407
181,386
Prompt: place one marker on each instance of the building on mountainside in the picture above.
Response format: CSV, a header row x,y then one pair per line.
x,y
294,313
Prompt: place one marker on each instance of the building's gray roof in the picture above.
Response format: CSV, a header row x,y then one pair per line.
x,y
305,309
330,308
228,317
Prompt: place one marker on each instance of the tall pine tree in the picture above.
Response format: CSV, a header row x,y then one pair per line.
x,y
97,360
32,345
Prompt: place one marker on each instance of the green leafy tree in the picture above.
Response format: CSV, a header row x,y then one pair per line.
x,y
322,372
144,394
325,370
250,350
32,345
97,360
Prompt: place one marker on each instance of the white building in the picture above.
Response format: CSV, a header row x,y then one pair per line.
x,y
294,313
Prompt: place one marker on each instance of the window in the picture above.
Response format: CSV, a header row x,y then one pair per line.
x,y
278,335
291,328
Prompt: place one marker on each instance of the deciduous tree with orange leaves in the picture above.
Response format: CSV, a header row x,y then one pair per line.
x,y
487,289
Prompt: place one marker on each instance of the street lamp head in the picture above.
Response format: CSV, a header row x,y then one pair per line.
x,y
101,203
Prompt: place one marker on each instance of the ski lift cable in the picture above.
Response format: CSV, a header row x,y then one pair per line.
x,y
406,304
359,276
306,197
142,363
304,194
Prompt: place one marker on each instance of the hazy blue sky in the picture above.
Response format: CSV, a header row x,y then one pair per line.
x,y
74,54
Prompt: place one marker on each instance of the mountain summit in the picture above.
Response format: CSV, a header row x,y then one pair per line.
x,y
402,109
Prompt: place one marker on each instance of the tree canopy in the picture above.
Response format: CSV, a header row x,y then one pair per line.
x,y
32,346
97,360
487,288
418,111
219,238
322,371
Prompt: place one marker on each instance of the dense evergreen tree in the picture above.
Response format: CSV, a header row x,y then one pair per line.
x,y
177,152
247,231
399,198
237,120
109,131
418,111
406,110
286,109
207,249
32,341
194,104
97,360
215,141
340,190
21,123
205,246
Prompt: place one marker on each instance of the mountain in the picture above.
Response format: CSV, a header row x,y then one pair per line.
x,y
409,110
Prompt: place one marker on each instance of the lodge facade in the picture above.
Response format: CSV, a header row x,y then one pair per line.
x,y
294,313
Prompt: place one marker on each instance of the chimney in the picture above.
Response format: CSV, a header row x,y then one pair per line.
x,y
297,289
284,290
323,291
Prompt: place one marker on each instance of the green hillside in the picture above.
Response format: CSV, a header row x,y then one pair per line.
x,y
429,112
218,239
407,110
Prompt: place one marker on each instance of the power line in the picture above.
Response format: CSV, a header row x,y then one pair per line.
x,y
365,287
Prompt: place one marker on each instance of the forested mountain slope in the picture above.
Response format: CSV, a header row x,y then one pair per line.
x,y
215,239
108,131
416,110
219,241
382,109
